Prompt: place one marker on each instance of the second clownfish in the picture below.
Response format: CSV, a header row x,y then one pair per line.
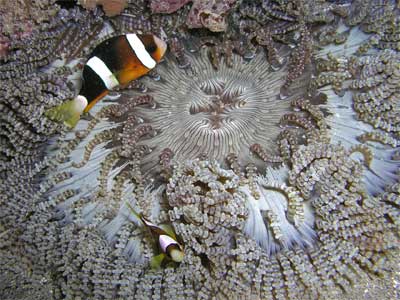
x,y
166,239
114,62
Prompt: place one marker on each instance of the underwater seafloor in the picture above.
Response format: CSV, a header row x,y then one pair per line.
x,y
268,138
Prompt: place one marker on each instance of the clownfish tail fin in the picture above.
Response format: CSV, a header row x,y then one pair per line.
x,y
134,213
68,112
156,261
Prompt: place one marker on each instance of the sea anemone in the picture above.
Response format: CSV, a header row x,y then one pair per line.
x,y
273,155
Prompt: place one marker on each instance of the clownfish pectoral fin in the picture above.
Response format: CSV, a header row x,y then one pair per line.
x,y
169,230
156,261
87,116
68,112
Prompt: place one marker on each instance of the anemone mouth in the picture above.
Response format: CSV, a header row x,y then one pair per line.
x,y
216,111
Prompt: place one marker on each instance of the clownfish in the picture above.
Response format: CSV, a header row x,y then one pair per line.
x,y
114,62
166,239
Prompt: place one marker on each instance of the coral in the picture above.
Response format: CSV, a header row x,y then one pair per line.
x,y
267,139
111,7
167,6
209,14
19,19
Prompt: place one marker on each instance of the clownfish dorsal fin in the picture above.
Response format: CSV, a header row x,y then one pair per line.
x,y
169,230
87,116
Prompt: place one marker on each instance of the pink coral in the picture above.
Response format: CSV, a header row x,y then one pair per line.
x,y
4,46
210,14
110,7
204,13
5,42
167,6
17,22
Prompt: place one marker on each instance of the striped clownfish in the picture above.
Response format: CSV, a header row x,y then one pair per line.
x,y
114,62
166,240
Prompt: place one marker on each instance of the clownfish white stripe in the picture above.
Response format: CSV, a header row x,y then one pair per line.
x,y
101,69
140,51
166,241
